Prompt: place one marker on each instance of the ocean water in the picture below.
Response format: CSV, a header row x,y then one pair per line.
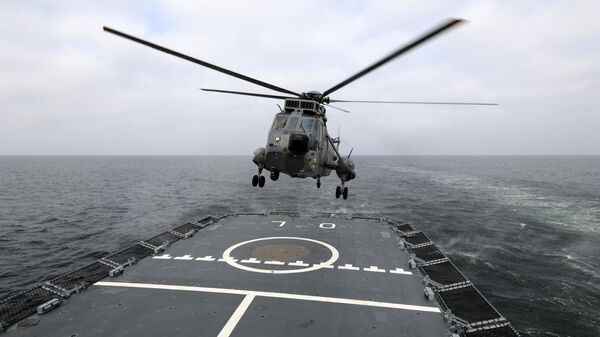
x,y
525,230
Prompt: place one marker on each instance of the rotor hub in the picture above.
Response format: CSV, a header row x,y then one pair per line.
x,y
313,95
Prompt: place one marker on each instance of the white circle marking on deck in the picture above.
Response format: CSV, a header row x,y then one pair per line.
x,y
232,262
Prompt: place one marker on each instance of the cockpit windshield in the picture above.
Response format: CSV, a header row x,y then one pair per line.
x,y
279,122
304,124
307,124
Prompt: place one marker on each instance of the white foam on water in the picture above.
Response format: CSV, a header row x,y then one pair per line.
x,y
548,209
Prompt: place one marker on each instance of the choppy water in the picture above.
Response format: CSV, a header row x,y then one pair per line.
x,y
525,230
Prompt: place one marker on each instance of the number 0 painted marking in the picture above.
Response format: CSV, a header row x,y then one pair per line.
x,y
281,223
327,225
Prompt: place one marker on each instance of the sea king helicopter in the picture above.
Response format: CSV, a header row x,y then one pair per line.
x,y
298,143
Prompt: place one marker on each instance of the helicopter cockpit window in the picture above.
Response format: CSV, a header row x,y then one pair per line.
x,y
317,130
291,124
279,122
307,124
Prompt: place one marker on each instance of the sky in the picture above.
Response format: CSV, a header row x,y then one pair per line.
x,y
68,88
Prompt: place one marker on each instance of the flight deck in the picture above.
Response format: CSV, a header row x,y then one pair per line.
x,y
263,275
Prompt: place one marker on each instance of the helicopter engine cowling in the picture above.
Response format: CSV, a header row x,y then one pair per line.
x,y
345,169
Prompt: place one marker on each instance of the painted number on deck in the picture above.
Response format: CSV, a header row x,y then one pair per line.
x,y
327,225
281,223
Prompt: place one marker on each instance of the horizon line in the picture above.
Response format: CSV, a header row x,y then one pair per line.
x,y
356,155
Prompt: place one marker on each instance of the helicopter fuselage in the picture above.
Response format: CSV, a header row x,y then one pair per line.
x,y
297,146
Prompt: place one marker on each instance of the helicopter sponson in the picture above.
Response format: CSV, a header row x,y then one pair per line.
x,y
345,169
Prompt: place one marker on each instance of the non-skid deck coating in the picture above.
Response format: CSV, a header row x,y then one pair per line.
x,y
260,276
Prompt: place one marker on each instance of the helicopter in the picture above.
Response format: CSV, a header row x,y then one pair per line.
x,y
298,142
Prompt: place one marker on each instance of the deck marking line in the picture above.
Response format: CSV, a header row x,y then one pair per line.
x,y
323,265
374,269
348,266
237,315
281,223
400,271
272,295
298,264
278,263
206,258
185,257
251,260
227,259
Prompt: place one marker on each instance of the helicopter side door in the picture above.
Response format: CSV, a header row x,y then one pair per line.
x,y
326,154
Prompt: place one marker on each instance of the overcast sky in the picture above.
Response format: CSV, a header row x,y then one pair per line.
x,y
66,87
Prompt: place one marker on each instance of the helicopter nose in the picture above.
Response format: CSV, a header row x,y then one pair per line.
x,y
298,143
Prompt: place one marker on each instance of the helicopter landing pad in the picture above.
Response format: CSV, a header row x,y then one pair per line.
x,y
260,276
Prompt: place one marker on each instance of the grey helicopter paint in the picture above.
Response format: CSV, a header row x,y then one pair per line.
x,y
298,143
299,146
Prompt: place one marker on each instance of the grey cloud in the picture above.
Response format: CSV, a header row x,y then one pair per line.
x,y
68,88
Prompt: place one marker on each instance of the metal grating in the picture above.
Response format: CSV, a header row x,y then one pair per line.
x,y
467,304
365,216
209,219
136,251
307,105
23,305
162,238
291,103
428,253
82,277
185,228
443,273
416,239
406,228
251,213
503,331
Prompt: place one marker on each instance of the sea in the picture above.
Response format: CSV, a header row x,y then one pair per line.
x,y
524,229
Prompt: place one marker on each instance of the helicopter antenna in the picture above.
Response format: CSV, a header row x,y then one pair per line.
x,y
279,106
349,154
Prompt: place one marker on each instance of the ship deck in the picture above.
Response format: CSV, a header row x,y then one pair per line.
x,y
259,275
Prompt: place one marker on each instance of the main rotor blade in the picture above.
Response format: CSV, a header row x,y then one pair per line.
x,y
200,62
413,102
448,24
245,93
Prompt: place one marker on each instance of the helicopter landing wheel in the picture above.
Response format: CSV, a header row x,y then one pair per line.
x,y
274,175
338,192
345,193
255,180
319,183
261,181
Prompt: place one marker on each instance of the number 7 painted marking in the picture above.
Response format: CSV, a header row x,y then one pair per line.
x,y
281,223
